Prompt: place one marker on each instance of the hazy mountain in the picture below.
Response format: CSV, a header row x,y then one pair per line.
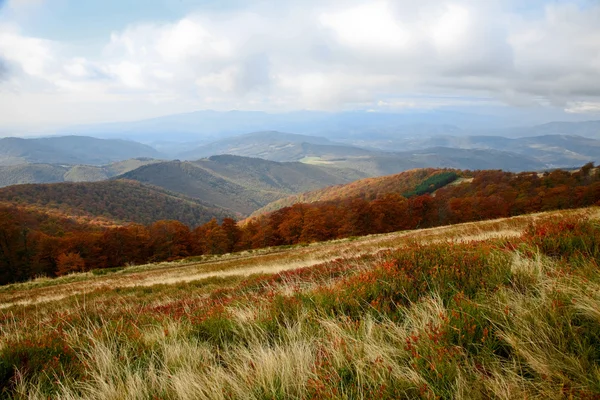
x,y
554,151
51,173
237,183
208,126
274,146
71,150
590,129
437,152
380,163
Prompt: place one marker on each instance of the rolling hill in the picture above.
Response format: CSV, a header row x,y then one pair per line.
x,y
71,150
237,183
279,146
53,173
117,202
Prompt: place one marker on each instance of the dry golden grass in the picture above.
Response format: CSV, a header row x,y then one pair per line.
x,y
272,260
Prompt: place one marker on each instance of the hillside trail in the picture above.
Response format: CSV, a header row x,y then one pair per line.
x,y
267,261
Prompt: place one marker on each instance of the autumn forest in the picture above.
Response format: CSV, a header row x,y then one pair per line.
x,y
36,243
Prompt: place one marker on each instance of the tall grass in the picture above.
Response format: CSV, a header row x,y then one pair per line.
x,y
502,318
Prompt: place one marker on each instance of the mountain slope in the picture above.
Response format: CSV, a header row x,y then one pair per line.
x,y
369,188
120,201
238,183
71,150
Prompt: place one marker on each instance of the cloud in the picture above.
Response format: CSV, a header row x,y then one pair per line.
x,y
21,3
3,70
583,107
329,54
33,56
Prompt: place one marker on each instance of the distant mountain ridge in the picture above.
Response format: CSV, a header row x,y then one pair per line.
x,y
277,146
209,125
271,145
555,151
71,150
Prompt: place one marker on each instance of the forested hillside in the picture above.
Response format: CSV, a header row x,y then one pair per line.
x,y
29,249
120,201
405,183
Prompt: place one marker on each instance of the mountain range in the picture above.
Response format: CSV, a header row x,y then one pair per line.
x,y
208,125
71,150
237,175
466,152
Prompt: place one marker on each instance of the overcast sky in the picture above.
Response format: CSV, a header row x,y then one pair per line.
x,y
66,62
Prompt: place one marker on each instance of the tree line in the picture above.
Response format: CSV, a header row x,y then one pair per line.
x,y
34,243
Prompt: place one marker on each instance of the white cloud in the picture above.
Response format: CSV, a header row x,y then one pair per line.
x,y
130,74
368,26
319,55
451,28
32,55
583,107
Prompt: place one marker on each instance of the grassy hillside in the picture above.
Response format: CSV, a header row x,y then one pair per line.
x,y
368,189
498,309
120,201
238,183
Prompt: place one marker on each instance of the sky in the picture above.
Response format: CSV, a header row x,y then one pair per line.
x,y
66,62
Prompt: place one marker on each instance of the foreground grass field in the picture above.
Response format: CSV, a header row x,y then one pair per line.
x,y
499,309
